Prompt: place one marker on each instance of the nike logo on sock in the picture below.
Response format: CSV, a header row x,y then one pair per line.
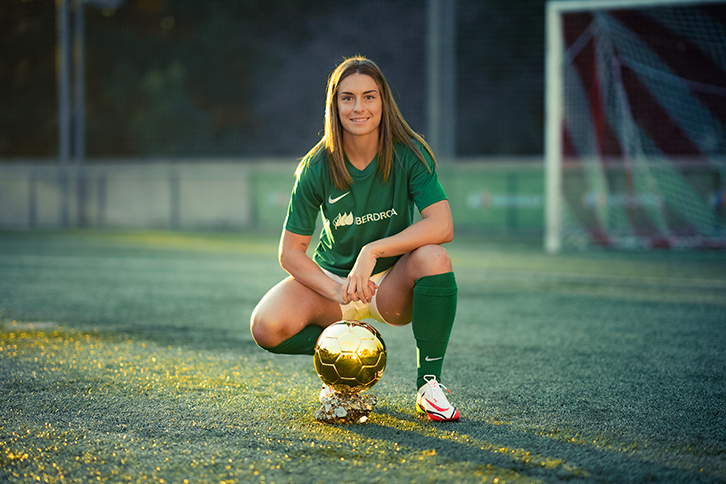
x,y
332,200
428,358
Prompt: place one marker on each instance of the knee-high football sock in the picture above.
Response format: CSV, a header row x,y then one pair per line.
x,y
302,343
433,312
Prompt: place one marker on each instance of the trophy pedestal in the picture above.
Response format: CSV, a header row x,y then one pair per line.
x,y
340,408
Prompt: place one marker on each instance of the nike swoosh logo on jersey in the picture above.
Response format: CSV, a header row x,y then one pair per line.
x,y
332,200
428,358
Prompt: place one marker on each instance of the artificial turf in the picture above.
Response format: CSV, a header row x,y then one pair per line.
x,y
126,357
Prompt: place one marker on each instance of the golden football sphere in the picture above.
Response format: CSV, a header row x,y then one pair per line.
x,y
350,356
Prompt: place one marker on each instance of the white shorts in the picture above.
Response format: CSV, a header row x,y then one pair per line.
x,y
358,309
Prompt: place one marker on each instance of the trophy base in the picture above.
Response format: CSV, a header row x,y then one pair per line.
x,y
340,408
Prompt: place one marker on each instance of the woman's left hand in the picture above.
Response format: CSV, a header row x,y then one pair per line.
x,y
358,285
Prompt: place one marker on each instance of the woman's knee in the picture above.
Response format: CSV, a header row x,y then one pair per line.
x,y
286,309
429,260
270,319
264,330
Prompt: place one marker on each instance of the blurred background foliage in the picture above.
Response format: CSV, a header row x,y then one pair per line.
x,y
246,78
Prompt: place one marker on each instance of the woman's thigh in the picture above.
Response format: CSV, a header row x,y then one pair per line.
x,y
287,308
394,297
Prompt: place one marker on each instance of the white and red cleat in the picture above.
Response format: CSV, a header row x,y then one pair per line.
x,y
431,400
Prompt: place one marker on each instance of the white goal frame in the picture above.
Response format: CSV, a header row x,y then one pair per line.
x,y
554,96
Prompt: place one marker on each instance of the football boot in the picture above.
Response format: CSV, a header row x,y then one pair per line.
x,y
430,400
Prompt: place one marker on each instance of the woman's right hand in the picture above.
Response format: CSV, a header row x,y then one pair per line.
x,y
294,259
352,290
358,285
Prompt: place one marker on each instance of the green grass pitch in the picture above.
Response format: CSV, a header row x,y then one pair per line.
x,y
126,357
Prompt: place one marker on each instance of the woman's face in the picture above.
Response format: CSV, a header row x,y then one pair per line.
x,y
359,105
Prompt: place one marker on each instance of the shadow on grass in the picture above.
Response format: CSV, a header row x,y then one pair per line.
x,y
484,444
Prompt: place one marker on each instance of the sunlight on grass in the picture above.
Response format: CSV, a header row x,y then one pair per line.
x,y
81,406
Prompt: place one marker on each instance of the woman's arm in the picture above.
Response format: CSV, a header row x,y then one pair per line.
x,y
435,227
294,259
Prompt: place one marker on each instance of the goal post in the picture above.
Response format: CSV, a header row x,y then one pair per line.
x,y
635,124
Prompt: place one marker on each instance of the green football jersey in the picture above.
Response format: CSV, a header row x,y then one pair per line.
x,y
366,210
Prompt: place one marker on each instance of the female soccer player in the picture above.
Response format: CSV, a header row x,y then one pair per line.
x,y
372,261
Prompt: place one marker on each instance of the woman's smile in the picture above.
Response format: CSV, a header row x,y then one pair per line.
x,y
359,105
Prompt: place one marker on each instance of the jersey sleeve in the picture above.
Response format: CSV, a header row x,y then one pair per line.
x,y
305,202
423,185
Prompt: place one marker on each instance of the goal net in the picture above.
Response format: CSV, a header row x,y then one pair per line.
x,y
635,153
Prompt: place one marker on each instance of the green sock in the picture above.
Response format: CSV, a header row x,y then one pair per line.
x,y
302,343
434,309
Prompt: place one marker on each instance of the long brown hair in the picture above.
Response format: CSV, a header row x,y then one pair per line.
x,y
393,128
